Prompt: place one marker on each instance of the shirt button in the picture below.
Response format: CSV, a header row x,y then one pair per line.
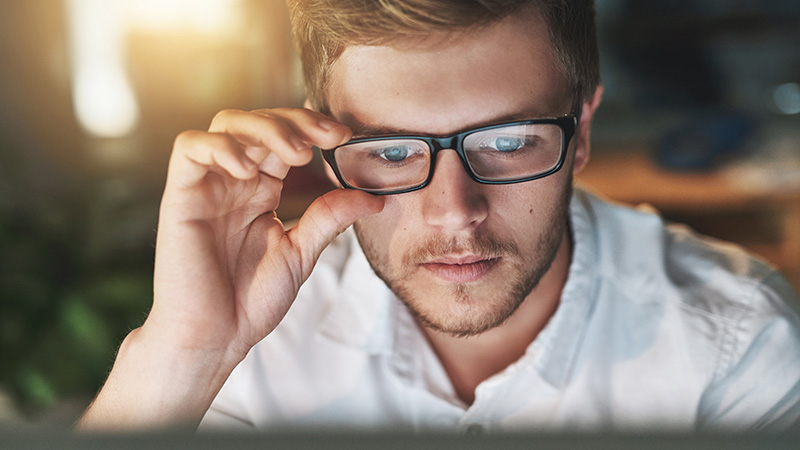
x,y
475,429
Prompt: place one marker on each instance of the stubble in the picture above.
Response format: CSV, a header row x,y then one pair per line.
x,y
466,309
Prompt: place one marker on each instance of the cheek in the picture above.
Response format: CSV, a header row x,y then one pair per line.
x,y
528,209
386,233
526,200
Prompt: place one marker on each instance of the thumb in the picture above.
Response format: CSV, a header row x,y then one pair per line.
x,y
326,218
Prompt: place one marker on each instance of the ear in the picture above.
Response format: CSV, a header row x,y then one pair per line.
x,y
307,105
583,147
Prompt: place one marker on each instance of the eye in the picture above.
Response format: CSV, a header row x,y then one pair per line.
x,y
395,153
506,144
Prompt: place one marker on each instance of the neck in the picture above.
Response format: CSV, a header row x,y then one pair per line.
x,y
471,360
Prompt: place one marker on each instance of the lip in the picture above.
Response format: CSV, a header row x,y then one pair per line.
x,y
461,269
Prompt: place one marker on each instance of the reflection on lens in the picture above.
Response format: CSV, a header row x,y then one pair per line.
x,y
514,152
384,165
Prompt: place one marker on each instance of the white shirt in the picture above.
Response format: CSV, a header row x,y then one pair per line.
x,y
657,328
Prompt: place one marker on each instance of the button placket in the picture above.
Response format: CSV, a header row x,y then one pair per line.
x,y
474,429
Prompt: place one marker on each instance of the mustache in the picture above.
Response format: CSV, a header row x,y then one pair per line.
x,y
483,244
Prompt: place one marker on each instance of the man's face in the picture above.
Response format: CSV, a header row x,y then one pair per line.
x,y
461,255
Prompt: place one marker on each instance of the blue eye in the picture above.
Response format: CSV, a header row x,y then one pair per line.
x,y
508,144
394,154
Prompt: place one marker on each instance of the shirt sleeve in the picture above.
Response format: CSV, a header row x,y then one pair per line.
x,y
757,382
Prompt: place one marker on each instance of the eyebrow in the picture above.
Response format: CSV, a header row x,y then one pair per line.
x,y
361,130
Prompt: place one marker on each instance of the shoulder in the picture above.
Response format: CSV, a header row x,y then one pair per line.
x,y
646,256
733,316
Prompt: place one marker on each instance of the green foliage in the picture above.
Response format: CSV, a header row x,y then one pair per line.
x,y
75,278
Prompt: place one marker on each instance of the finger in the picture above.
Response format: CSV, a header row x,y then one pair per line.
x,y
326,218
197,152
313,127
276,132
274,167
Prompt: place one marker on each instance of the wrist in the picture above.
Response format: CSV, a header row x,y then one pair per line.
x,y
155,384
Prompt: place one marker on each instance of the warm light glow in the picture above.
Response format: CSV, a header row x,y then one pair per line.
x,y
206,16
104,100
103,97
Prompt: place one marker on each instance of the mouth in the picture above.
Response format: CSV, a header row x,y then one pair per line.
x,y
460,269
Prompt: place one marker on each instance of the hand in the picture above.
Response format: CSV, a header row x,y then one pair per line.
x,y
226,272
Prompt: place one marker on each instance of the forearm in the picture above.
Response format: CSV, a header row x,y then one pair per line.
x,y
153,385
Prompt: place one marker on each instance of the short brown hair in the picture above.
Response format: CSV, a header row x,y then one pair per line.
x,y
324,28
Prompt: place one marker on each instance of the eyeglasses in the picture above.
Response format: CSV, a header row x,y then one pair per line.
x,y
503,153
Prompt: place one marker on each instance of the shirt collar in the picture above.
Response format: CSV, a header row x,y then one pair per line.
x,y
557,345
359,315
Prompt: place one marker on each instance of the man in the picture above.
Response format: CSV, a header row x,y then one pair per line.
x,y
475,290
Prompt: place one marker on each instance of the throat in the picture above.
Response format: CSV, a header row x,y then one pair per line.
x,y
468,361
469,366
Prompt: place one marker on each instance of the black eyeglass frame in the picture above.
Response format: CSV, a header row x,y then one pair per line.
x,y
568,124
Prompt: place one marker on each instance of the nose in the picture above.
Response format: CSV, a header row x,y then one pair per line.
x,y
453,201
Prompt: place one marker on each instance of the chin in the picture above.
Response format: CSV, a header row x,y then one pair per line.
x,y
461,313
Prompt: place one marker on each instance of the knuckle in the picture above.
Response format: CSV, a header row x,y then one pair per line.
x,y
290,117
196,144
270,122
223,141
185,139
266,112
329,210
282,112
274,132
225,115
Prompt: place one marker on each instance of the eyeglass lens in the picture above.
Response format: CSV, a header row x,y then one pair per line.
x,y
498,154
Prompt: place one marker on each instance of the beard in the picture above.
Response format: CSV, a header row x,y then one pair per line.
x,y
469,309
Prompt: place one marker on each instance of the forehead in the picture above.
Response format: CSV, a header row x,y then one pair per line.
x,y
449,82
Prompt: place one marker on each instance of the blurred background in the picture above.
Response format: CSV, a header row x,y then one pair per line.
x,y
701,118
